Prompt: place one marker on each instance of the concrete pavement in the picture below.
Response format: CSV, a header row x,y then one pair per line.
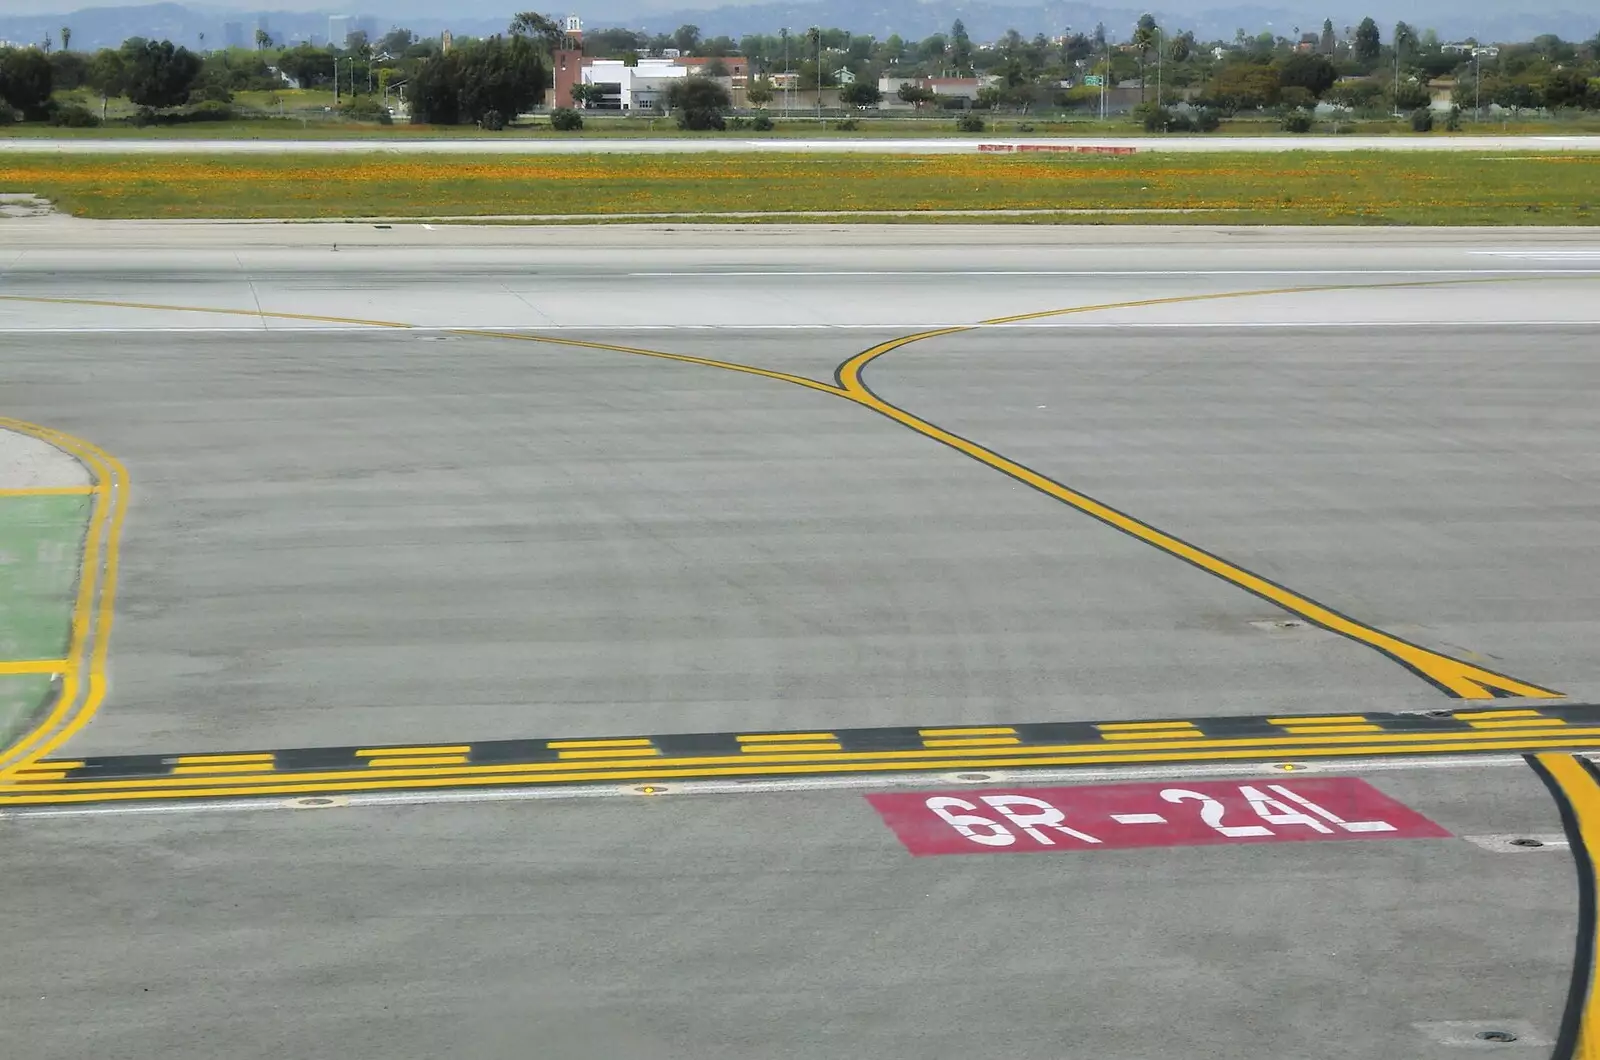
x,y
347,535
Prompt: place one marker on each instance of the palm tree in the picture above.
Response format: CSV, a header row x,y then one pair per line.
x,y
263,40
66,38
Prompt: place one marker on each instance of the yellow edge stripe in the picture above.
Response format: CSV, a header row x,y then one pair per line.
x,y
393,752
613,752
667,771
1388,743
1582,794
1517,723
786,748
1314,730
1487,715
48,491
1337,719
785,737
1138,726
35,666
976,741
433,760
196,760
559,744
993,730
216,767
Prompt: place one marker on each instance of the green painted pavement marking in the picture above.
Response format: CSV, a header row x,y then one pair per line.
x,y
41,547
21,695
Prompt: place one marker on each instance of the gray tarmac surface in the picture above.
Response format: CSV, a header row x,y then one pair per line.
x,y
340,534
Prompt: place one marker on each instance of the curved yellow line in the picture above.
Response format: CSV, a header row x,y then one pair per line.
x,y
83,683
1452,676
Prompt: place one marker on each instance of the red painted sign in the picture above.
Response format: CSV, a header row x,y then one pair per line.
x,y
1117,816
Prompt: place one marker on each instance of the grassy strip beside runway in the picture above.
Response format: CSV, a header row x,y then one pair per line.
x,y
1290,188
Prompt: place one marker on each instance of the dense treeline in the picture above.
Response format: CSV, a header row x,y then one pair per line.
x,y
1359,67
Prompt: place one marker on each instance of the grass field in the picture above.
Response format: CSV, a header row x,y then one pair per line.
x,y
1302,188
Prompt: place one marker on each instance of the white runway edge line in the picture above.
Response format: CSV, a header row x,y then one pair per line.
x,y
976,778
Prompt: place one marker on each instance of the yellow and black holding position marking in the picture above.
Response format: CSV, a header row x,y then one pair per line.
x,y
687,756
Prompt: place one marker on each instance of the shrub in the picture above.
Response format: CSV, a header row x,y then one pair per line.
x,y
7,115
492,121
1422,120
970,123
365,108
74,116
1180,122
1024,127
738,123
1207,120
212,93
849,125
144,116
565,119
1452,122
1153,116
761,123
1297,121
210,111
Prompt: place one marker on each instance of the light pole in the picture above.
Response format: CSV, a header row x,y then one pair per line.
x,y
819,72
786,78
1159,40
1105,78
1477,86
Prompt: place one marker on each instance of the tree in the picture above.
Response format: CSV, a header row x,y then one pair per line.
x,y
582,95
540,27
67,69
1327,43
915,94
1405,38
307,65
1181,47
1246,86
396,41
1144,39
686,39
66,38
960,46
26,80
106,74
1369,43
861,93
263,40
1314,73
699,103
160,74
759,92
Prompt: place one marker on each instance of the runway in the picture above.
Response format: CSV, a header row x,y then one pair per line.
x,y
689,145
511,622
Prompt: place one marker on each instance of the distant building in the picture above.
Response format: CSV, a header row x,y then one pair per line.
x,y
339,27
233,35
445,41
645,85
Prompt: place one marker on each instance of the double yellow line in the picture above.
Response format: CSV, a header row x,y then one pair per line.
x,y
83,672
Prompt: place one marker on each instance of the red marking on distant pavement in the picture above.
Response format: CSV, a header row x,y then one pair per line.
x,y
1118,816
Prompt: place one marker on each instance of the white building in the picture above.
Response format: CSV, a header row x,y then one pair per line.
x,y
645,85
339,27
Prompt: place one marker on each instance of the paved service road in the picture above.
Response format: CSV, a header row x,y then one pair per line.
x,y
547,590
917,146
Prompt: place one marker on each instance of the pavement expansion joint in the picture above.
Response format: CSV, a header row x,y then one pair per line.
x,y
308,771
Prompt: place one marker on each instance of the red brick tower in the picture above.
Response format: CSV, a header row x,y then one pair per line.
x,y
568,61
